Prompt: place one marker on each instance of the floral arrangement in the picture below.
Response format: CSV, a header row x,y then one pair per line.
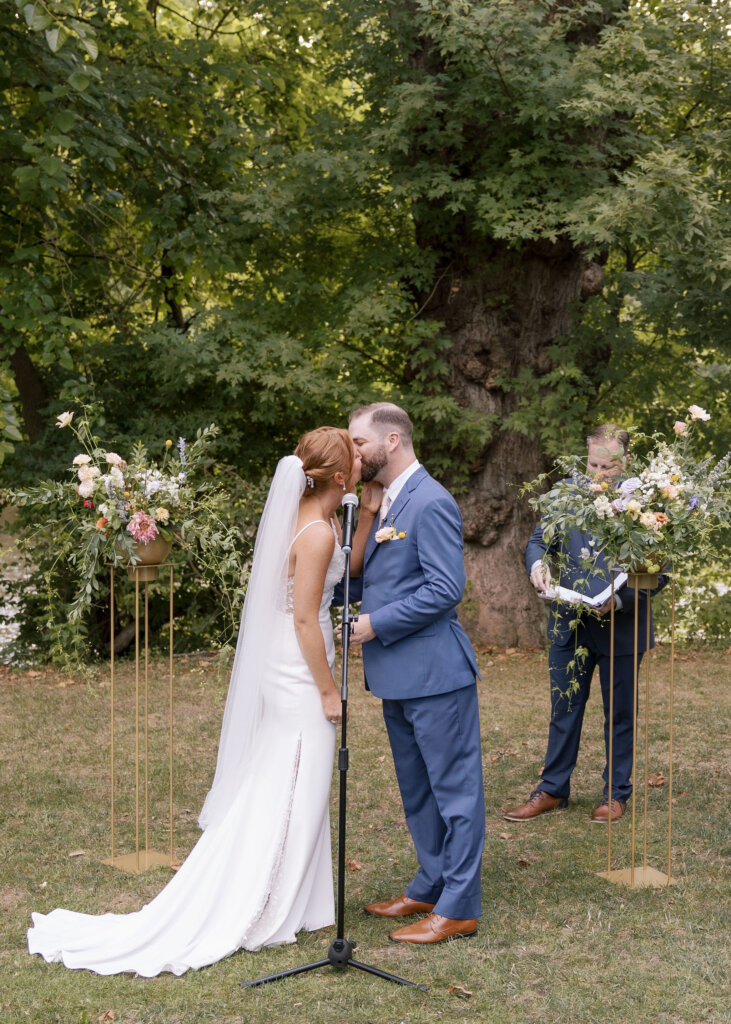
x,y
388,533
666,505
112,504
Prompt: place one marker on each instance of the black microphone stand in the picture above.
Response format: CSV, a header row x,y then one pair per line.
x,y
340,953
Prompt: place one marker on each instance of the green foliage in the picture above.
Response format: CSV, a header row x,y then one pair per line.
x,y
73,531
240,214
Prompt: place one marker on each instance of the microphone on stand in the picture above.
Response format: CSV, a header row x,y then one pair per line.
x,y
350,504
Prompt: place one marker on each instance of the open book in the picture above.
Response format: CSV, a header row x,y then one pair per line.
x,y
576,596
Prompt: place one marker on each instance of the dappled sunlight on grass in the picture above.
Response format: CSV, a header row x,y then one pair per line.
x,y
556,943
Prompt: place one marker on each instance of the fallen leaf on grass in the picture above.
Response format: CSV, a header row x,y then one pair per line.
x,y
656,779
355,865
107,1015
77,853
458,990
523,862
505,835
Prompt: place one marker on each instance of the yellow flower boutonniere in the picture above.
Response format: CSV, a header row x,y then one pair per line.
x,y
389,533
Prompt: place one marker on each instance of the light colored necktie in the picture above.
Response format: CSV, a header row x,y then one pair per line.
x,y
385,506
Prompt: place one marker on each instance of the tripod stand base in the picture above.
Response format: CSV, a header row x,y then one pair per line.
x,y
339,955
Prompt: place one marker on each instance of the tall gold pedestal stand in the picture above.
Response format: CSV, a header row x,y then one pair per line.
x,y
142,859
640,875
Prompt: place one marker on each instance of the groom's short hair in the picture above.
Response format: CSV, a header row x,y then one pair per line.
x,y
388,415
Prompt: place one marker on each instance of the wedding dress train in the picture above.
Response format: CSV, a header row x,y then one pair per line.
x,y
262,870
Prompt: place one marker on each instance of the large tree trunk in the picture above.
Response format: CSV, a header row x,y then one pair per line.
x,y
31,389
501,317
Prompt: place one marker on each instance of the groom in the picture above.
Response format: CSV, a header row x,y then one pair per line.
x,y
418,660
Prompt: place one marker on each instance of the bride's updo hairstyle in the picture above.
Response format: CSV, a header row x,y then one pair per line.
x,y
324,452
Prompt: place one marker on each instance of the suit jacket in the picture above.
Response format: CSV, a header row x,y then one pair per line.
x,y
411,589
593,629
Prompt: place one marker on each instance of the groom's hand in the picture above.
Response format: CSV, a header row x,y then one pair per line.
x,y
362,630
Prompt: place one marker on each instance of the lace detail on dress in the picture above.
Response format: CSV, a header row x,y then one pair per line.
x,y
334,574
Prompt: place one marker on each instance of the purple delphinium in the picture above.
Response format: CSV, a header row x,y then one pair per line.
x,y
694,502
181,449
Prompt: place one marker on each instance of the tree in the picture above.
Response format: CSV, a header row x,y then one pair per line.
x,y
564,168
513,218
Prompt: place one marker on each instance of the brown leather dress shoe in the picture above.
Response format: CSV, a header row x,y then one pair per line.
x,y
434,928
601,811
537,803
404,906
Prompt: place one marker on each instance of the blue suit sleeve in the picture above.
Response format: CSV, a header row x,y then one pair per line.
x,y
355,593
439,547
535,548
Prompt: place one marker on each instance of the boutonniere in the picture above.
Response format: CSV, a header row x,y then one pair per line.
x,y
389,533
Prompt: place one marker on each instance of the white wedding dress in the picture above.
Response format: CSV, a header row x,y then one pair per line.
x,y
262,870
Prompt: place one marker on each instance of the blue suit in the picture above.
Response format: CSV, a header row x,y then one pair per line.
x,y
422,665
593,633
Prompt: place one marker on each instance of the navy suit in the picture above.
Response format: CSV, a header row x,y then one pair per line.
x,y
593,632
422,665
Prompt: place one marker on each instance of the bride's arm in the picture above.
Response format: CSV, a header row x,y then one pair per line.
x,y
370,505
312,554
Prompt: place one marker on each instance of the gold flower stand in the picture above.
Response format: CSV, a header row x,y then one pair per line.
x,y
143,857
638,875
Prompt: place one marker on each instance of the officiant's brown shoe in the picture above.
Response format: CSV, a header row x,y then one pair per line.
x,y
404,906
434,928
537,803
601,811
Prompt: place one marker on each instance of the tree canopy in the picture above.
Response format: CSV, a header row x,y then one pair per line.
x,y
512,218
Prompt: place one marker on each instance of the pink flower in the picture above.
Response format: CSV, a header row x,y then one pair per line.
x,y
142,527
696,413
680,427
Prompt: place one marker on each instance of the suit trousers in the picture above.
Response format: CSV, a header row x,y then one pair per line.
x,y
567,716
435,743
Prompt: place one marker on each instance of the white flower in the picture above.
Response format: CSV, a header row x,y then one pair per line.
x,y
585,553
114,460
603,507
86,473
116,477
64,419
82,460
628,487
696,413
385,533
162,515
86,488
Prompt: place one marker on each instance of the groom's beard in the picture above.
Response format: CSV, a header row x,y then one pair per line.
x,y
370,468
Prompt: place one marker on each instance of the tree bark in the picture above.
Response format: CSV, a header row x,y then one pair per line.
x,y
501,314
31,389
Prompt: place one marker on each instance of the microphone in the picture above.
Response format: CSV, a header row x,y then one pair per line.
x,y
350,504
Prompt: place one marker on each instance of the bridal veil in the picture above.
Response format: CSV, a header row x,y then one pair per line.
x,y
259,640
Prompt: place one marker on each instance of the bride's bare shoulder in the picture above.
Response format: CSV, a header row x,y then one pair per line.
x,y
315,536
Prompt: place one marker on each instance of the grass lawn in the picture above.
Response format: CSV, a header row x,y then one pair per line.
x,y
556,943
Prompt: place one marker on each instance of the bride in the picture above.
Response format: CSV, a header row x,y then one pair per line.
x,y
262,870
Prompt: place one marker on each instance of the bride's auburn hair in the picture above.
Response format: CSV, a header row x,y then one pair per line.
x,y
324,452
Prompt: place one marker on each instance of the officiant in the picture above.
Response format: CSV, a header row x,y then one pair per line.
x,y
570,670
